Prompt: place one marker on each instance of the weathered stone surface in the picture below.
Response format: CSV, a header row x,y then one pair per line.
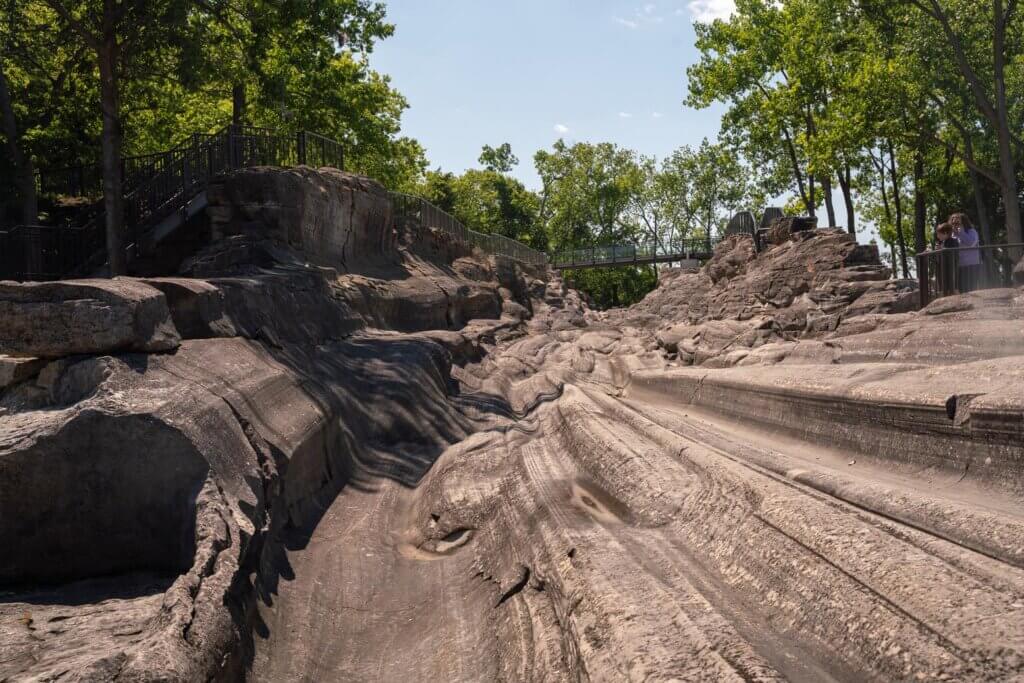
x,y
782,229
804,287
197,307
53,319
540,496
18,369
336,218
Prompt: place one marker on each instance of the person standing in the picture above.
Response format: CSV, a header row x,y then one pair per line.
x,y
970,255
946,243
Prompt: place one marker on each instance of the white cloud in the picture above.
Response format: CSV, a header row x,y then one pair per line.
x,y
561,128
657,115
625,115
628,23
706,11
649,8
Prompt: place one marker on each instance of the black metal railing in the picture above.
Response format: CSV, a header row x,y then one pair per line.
x,y
942,272
635,254
154,186
426,215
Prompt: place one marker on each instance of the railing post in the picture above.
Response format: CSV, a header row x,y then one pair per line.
x,y
922,279
229,142
301,145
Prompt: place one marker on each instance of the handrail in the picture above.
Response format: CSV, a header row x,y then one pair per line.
x,y
410,207
161,184
643,253
939,273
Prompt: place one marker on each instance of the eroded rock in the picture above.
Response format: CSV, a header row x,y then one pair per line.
x,y
54,319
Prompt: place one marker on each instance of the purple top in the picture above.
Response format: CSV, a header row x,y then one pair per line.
x,y
969,238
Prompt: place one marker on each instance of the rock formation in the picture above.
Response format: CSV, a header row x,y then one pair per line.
x,y
334,446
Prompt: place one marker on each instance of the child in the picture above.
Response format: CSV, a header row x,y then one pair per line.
x,y
947,275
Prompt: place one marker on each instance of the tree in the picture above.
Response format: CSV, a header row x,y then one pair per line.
x,y
589,191
487,200
963,55
22,164
38,74
706,186
744,61
129,40
958,20
500,160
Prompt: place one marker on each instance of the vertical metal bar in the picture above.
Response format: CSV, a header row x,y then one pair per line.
x,y
922,279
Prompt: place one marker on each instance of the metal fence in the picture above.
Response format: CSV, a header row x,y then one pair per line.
x,y
41,252
642,253
940,271
154,186
425,214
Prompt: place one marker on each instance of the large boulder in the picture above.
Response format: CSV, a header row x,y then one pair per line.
x,y
197,307
336,218
730,258
55,319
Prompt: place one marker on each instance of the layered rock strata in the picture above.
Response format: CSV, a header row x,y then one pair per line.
x,y
398,459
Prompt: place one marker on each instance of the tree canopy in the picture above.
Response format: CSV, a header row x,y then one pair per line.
x,y
906,110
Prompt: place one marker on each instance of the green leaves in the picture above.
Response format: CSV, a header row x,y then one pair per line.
x,y
488,200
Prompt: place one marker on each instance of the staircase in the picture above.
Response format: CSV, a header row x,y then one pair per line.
x,y
162,192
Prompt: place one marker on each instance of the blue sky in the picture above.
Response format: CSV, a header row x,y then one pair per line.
x,y
527,72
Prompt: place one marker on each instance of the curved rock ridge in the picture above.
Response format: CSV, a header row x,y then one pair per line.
x,y
407,461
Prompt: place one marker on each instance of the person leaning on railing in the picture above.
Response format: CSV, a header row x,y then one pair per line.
x,y
946,243
970,255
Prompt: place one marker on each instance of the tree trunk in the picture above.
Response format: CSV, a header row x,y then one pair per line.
x,y
846,183
238,104
892,251
979,194
901,240
24,175
1008,172
1007,164
826,190
813,202
979,202
920,210
113,200
791,148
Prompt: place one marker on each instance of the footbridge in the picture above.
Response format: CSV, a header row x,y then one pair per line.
x,y
631,254
671,251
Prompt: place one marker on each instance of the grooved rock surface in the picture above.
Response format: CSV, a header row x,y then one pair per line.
x,y
53,319
443,466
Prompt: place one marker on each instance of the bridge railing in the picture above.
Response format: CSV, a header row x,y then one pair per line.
x,y
425,214
625,254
